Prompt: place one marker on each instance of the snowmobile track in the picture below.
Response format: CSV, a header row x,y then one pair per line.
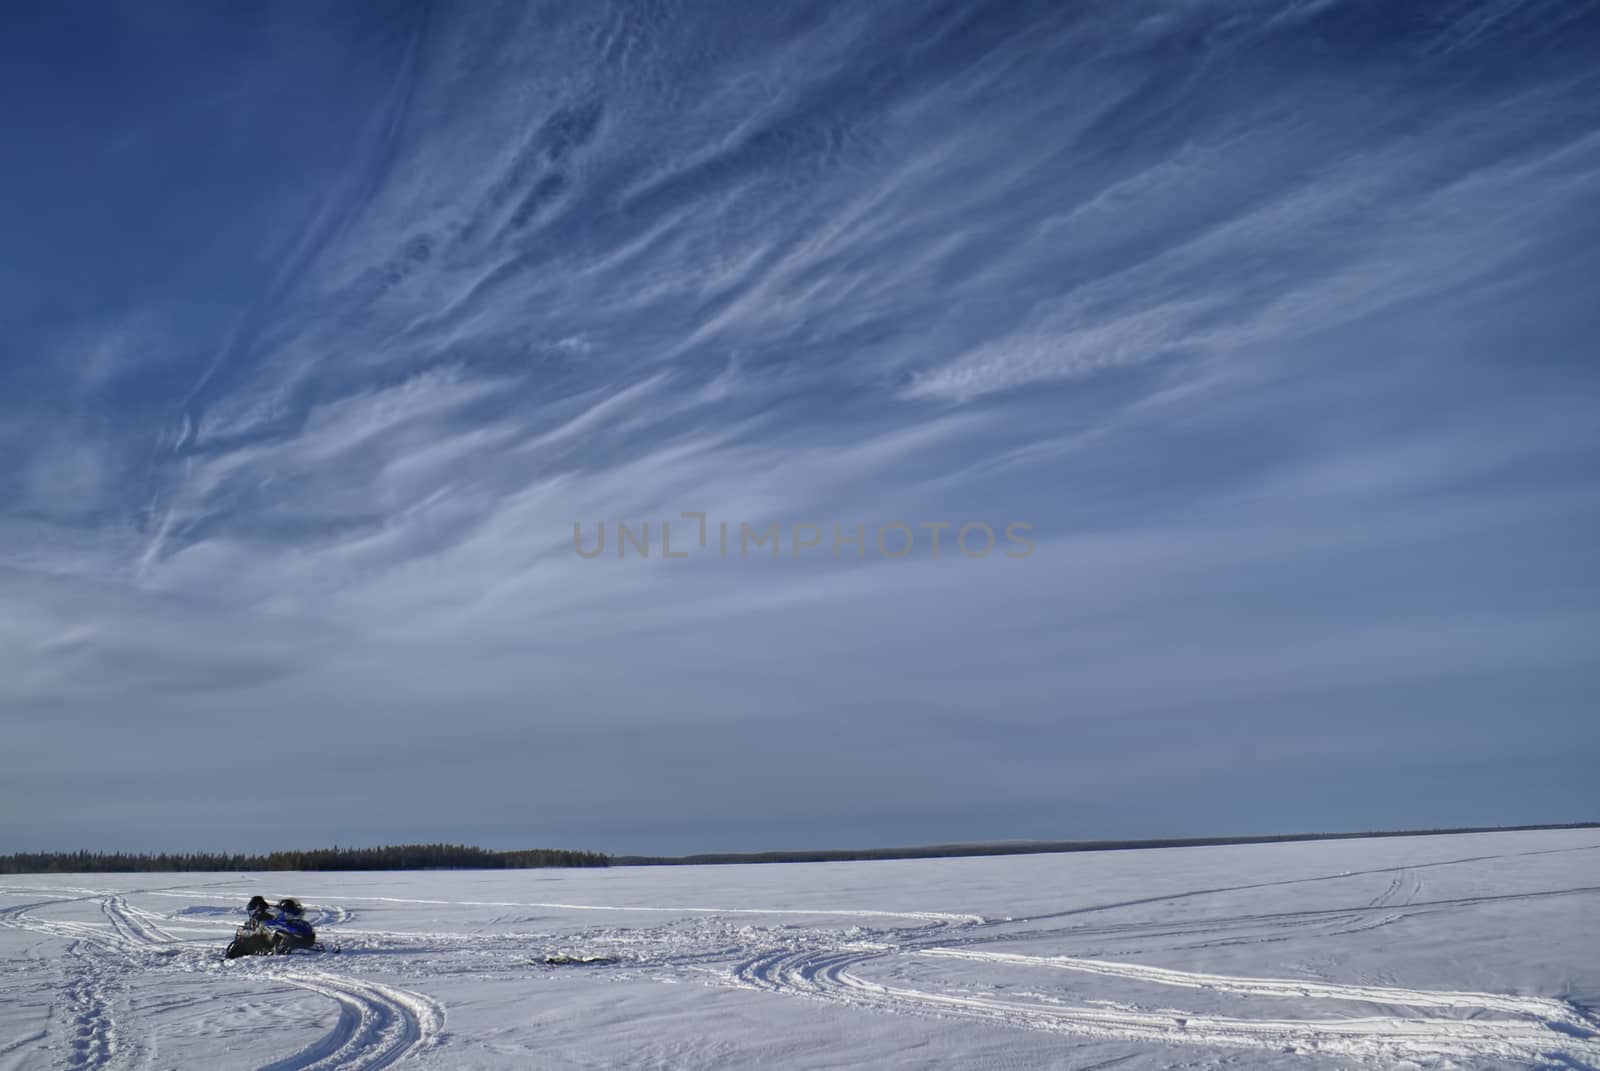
x,y
1522,1029
93,1036
378,1025
136,928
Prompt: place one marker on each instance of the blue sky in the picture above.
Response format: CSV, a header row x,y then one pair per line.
x,y
323,325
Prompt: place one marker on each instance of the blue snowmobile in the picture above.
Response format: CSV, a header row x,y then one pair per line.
x,y
273,930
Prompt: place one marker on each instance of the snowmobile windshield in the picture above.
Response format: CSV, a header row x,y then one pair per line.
x,y
292,927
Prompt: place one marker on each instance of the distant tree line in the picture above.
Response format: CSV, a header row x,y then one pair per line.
x,y
951,851
391,857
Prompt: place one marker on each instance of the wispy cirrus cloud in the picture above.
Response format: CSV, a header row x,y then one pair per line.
x,y
1376,232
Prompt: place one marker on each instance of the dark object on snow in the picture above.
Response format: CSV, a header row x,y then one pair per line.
x,y
272,931
561,959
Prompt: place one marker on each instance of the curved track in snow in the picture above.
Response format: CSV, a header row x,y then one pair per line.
x,y
1522,1029
378,1025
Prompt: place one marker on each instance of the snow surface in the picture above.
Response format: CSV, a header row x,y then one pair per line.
x,y
1464,951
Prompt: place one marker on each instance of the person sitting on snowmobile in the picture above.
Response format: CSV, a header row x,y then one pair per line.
x,y
272,930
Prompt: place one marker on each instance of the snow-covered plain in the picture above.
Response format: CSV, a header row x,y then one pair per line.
x,y
1463,951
